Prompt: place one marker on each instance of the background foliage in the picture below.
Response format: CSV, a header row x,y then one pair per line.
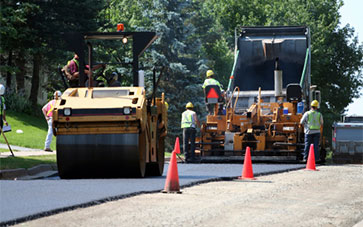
x,y
194,35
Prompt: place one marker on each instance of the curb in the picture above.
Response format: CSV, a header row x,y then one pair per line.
x,y
31,173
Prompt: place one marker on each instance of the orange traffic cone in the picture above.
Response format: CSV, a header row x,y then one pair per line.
x,y
177,146
247,172
172,178
310,165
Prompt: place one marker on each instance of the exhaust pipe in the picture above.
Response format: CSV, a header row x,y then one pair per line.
x,y
278,79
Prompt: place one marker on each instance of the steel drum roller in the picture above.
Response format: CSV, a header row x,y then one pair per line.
x,y
100,155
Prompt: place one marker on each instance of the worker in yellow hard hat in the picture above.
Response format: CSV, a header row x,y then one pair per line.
x,y
189,122
312,121
210,80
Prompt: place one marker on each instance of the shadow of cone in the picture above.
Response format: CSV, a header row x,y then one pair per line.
x,y
172,178
247,173
310,165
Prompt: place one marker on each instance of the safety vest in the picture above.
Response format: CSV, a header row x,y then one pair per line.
x,y
187,119
313,120
51,103
75,61
2,105
211,81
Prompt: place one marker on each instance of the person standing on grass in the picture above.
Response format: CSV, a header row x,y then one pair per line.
x,y
48,114
2,107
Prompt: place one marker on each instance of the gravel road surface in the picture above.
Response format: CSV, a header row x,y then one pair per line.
x,y
332,196
22,200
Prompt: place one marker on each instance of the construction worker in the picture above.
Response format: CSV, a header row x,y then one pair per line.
x,y
48,113
71,70
211,81
188,124
2,107
312,121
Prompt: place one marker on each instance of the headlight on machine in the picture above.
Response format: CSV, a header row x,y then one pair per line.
x,y
127,110
67,111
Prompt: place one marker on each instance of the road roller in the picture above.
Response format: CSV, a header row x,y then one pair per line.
x,y
115,131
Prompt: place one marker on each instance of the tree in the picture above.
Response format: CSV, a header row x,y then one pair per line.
x,y
175,49
32,30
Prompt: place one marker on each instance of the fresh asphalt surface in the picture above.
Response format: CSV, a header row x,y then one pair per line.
x,y
23,200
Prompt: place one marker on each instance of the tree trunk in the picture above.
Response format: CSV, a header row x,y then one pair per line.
x,y
20,74
35,79
8,74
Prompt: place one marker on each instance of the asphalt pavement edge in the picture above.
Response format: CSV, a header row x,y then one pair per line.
x,y
113,198
36,172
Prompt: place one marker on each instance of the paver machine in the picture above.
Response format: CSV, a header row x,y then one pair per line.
x,y
268,91
117,131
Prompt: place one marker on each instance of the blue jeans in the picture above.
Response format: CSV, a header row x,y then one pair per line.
x,y
312,139
189,134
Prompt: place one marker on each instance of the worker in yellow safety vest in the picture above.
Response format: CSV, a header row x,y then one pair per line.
x,y
211,81
189,123
48,114
312,121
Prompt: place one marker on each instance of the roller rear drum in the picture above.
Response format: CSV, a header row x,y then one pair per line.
x,y
101,155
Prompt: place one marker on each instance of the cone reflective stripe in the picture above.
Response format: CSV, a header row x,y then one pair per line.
x,y
177,146
310,165
247,172
172,178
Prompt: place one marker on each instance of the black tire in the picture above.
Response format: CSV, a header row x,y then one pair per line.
x,y
157,169
322,156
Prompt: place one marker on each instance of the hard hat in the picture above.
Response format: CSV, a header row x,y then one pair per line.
x,y
314,103
2,89
57,92
209,73
189,105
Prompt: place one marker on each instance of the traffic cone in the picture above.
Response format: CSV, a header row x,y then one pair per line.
x,y
177,146
172,178
310,165
247,173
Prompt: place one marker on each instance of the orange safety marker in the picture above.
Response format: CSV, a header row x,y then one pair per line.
x,y
172,178
310,165
247,173
177,146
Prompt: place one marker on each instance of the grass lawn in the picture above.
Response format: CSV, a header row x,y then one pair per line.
x,y
26,162
34,130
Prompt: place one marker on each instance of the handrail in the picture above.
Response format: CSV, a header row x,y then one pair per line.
x,y
304,69
234,65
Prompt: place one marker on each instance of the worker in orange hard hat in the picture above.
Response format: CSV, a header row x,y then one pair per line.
x,y
210,80
189,123
312,121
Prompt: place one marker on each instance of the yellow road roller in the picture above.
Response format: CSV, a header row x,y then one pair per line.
x,y
109,132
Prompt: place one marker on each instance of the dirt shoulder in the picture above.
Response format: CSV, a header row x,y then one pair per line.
x,y
331,196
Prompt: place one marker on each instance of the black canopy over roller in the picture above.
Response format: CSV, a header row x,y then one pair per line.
x,y
76,42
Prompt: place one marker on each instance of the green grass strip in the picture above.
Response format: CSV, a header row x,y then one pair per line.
x,y
26,162
34,131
